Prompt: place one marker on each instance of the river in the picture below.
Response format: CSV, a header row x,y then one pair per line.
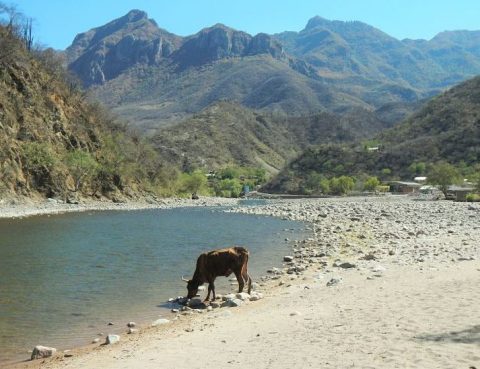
x,y
63,278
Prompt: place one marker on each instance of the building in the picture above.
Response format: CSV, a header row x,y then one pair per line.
x,y
404,187
458,193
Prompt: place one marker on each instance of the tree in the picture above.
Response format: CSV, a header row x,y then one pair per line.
x,y
193,182
229,188
341,185
443,175
371,184
417,168
82,166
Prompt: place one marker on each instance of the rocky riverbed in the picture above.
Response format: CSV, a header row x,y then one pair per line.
x,y
392,229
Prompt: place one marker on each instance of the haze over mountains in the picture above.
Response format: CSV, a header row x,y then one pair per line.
x,y
152,77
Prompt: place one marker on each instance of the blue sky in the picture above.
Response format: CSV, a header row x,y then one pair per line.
x,y
58,21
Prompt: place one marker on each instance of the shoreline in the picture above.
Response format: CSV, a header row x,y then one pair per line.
x,y
357,242
52,207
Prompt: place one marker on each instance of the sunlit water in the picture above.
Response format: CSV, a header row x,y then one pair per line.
x,y
64,277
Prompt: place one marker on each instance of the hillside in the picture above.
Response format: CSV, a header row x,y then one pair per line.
x,y
447,128
152,77
55,144
227,133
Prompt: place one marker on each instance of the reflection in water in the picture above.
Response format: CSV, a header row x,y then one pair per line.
x,y
63,278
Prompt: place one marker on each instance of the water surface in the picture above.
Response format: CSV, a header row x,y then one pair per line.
x,y
64,277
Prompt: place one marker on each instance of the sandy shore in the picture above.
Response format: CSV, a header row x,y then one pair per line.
x,y
383,283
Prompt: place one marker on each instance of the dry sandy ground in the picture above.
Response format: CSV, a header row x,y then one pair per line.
x,y
409,317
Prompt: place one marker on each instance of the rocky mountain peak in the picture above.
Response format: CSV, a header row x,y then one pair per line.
x,y
103,53
316,21
135,15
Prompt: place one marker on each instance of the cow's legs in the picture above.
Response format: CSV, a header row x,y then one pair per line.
x,y
211,288
240,281
249,279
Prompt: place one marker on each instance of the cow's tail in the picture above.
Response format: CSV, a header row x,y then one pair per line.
x,y
244,254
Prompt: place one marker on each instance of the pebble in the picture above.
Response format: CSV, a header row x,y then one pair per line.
x,y
160,321
232,303
112,338
334,281
40,352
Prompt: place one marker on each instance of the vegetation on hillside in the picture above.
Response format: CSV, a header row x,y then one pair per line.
x,y
446,129
52,141
226,133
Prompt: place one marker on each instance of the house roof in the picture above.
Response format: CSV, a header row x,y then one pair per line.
x,y
406,183
455,188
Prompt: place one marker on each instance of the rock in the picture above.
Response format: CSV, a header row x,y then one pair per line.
x,y
344,265
232,303
243,296
369,257
40,352
391,252
334,281
196,303
160,321
112,338
215,304
288,258
295,313
96,340
378,268
209,308
110,323
256,296
230,296
132,330
174,310
131,324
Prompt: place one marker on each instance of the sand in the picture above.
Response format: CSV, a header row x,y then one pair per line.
x,y
410,299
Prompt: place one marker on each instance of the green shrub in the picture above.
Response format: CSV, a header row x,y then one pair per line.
x,y
473,197
82,166
228,188
371,184
341,185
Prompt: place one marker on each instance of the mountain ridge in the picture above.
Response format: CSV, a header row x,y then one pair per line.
x,y
152,77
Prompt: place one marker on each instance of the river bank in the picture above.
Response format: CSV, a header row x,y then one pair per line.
x,y
383,283
26,208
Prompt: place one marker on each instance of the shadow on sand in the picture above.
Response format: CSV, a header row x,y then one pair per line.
x,y
469,335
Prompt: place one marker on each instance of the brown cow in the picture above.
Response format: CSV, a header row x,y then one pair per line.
x,y
223,262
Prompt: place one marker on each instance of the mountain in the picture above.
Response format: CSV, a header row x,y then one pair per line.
x,y
103,53
53,143
446,128
151,77
226,133
344,50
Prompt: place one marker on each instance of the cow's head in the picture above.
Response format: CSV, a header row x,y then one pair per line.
x,y
192,287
